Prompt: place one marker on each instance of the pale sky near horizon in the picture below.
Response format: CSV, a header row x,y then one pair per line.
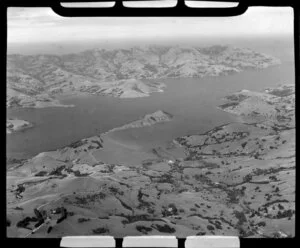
x,y
38,25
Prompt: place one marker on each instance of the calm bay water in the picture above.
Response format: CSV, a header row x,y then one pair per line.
x,y
193,103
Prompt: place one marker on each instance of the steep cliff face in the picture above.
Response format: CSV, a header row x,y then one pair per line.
x,y
34,81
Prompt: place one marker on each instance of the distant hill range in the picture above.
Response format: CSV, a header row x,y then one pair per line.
x,y
35,80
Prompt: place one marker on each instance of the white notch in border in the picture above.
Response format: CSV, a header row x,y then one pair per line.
x,y
150,4
210,4
212,242
150,241
88,4
88,241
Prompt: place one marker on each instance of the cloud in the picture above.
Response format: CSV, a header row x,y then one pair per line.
x,y
31,17
43,25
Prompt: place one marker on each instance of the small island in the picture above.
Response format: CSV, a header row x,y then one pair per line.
x,y
14,125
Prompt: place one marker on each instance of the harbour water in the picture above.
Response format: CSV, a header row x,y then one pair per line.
x,y
192,101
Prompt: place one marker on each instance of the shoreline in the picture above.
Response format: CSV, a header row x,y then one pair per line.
x,y
160,88
75,94
222,167
130,125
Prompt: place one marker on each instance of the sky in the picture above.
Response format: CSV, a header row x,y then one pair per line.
x,y
39,25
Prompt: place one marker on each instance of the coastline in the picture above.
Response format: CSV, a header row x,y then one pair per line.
x,y
219,167
160,88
